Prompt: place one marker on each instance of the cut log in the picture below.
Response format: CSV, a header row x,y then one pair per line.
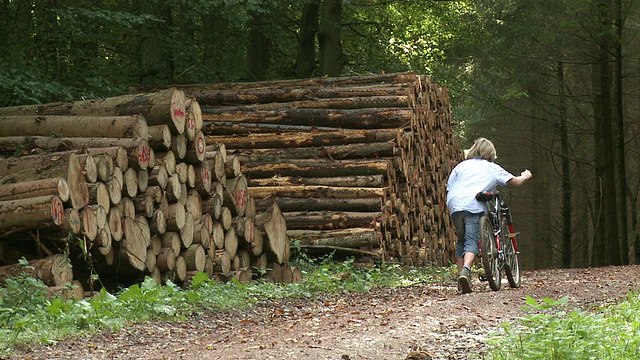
x,y
181,268
74,126
236,197
222,262
72,221
158,223
195,257
203,178
194,204
326,220
196,149
166,260
130,185
186,233
318,168
322,204
89,223
163,107
217,235
315,191
351,238
53,270
372,118
231,242
274,272
346,181
31,213
275,228
99,194
174,188
179,145
35,188
138,150
299,139
134,244
160,137
339,152
104,166
176,217
144,205
115,224
159,176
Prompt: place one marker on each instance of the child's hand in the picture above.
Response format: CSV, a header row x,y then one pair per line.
x,y
526,174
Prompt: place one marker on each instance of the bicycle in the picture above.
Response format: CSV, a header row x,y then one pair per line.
x,y
497,242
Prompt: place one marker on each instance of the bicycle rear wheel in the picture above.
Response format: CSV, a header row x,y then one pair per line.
x,y
489,254
511,266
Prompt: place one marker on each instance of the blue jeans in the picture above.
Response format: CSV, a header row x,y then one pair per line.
x,y
468,229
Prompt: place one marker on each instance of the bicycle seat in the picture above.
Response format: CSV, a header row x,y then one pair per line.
x,y
484,196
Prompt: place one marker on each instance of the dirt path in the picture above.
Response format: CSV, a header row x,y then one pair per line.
x,y
429,322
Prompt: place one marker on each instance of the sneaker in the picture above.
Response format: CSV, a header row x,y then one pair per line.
x,y
464,280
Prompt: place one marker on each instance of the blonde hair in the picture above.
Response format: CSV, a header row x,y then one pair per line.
x,y
481,149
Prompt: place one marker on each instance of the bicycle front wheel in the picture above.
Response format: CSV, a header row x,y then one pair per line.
x,y
511,266
489,254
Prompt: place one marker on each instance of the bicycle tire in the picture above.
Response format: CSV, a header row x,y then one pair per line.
x,y
511,263
489,254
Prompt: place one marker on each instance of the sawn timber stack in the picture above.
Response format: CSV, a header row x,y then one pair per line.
x,y
356,164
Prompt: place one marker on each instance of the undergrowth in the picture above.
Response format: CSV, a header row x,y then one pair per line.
x,y
553,331
29,316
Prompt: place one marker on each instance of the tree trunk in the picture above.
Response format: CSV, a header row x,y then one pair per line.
x,y
258,49
306,63
332,58
156,54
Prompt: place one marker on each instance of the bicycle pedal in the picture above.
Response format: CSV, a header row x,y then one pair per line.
x,y
482,277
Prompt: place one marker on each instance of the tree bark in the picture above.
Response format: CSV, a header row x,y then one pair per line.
x,y
165,107
35,188
132,126
54,270
306,63
373,181
338,152
318,168
31,213
378,118
311,138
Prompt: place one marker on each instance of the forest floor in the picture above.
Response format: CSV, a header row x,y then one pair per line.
x,y
416,322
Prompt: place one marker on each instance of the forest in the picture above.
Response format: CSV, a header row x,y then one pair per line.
x,y
550,82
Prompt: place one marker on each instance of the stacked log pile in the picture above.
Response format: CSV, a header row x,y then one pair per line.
x,y
356,164
132,181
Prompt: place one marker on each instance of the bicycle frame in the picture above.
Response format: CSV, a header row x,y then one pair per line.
x,y
498,210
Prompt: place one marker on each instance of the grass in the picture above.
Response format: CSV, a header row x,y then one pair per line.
x,y
553,331
28,316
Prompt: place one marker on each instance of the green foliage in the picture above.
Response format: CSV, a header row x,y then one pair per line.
x,y
553,331
28,316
